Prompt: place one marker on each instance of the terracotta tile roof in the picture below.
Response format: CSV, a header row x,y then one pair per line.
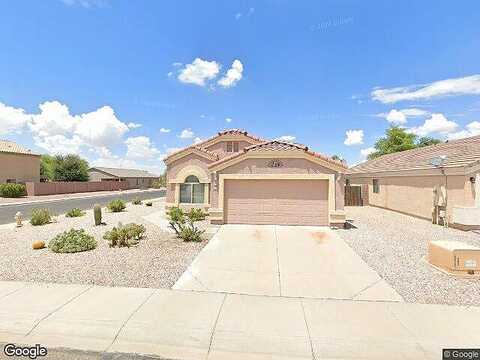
x,y
11,147
215,155
277,145
457,153
200,145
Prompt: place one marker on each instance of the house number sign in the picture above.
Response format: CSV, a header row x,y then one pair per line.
x,y
274,163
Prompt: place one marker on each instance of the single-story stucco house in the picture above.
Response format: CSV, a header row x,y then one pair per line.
x,y
431,182
242,179
18,164
136,178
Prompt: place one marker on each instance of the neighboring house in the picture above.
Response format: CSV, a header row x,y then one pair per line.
x,y
242,179
428,182
136,178
18,164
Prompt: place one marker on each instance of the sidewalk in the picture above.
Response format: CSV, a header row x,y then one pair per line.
x,y
59,197
201,325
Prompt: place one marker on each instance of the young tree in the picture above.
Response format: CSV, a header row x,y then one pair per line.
x,y
397,139
46,167
70,168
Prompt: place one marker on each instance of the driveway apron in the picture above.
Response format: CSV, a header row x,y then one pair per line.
x,y
291,261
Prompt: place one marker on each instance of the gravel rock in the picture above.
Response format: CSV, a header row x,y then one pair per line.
x,y
395,245
158,261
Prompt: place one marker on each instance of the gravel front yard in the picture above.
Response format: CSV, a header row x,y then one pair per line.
x,y
395,246
158,261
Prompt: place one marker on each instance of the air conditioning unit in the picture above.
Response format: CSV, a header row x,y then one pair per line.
x,y
454,257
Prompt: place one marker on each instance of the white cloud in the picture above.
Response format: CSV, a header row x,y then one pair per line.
x,y
86,3
59,144
353,137
140,147
164,130
199,71
132,125
396,117
186,134
438,123
100,127
472,129
197,140
399,117
365,152
94,129
414,112
12,119
449,87
233,75
248,13
170,74
287,138
228,120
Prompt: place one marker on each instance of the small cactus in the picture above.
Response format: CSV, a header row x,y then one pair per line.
x,y
97,214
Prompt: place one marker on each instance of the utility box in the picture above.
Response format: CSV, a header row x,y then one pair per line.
x,y
455,257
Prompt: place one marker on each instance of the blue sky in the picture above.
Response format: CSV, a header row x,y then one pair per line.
x,y
102,77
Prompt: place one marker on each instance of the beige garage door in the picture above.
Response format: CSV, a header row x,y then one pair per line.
x,y
287,202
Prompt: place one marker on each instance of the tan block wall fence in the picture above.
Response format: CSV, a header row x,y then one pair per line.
x,y
51,188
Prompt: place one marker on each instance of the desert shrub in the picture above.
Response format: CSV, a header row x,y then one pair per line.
x,y
176,219
75,212
191,234
125,235
72,241
12,190
148,203
137,201
183,223
40,217
117,205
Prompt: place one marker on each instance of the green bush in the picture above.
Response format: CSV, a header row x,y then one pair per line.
x,y
75,212
183,223
148,203
117,205
191,234
137,201
125,235
40,217
72,241
12,190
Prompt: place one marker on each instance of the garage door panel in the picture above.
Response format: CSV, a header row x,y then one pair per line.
x,y
290,202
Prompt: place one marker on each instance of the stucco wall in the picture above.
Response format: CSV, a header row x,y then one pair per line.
x,y
221,148
414,194
176,166
22,168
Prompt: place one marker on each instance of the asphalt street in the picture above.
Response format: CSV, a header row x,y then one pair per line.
x,y
7,212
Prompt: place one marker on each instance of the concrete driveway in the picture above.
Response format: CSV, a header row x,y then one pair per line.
x,y
291,261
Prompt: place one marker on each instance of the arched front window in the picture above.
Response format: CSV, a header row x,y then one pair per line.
x,y
192,191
